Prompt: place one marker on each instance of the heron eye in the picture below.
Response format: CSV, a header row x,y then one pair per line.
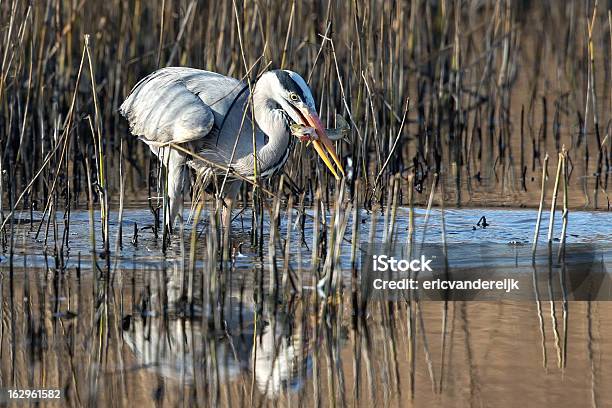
x,y
294,97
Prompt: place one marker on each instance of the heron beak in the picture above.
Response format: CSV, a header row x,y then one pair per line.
x,y
324,142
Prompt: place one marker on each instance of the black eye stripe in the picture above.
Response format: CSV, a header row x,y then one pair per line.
x,y
289,84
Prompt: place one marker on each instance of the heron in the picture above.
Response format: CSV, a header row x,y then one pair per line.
x,y
212,115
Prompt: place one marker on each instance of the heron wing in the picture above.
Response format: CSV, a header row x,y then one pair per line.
x,y
180,104
165,107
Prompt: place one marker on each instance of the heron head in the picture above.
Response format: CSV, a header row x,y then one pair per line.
x,y
295,99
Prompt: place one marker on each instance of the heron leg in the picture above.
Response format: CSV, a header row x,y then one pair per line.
x,y
175,164
231,193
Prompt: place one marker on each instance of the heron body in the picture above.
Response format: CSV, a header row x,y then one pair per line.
x,y
211,115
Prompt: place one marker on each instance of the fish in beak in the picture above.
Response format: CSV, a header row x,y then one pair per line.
x,y
322,144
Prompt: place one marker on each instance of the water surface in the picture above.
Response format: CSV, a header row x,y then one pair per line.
x,y
153,329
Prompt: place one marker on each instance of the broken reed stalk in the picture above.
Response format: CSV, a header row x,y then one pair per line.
x,y
287,273
590,94
192,252
314,259
553,204
92,228
432,193
341,217
256,195
446,302
355,236
553,317
212,292
387,214
565,200
289,29
592,90
411,211
394,206
119,241
393,147
227,226
536,233
163,178
100,159
274,281
560,254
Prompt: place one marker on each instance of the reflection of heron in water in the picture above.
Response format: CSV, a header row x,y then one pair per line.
x,y
178,347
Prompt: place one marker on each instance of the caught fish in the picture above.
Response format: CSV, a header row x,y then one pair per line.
x,y
307,133
304,133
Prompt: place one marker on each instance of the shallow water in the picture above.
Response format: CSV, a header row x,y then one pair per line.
x,y
504,226
150,331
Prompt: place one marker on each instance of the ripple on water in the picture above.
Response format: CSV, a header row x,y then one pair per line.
x,y
503,226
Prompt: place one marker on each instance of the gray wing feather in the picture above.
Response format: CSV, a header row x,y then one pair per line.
x,y
181,104
162,108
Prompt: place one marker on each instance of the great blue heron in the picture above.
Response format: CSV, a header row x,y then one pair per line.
x,y
210,113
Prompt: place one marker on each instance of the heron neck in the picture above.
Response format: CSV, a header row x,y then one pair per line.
x,y
273,124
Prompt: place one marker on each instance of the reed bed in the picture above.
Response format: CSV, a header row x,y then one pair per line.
x,y
470,69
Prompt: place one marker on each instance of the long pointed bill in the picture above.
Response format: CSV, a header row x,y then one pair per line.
x,y
313,120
